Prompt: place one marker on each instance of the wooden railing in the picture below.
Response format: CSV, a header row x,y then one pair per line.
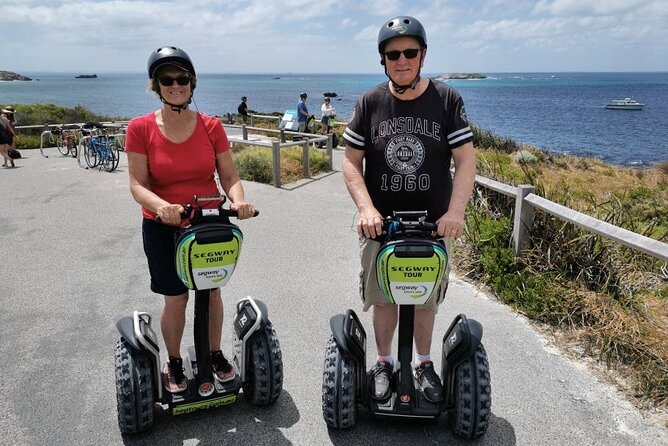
x,y
526,202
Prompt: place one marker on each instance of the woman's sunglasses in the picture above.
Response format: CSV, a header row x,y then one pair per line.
x,y
167,81
410,53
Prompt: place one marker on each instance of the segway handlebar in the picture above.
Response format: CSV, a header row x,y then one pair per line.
x,y
408,221
197,212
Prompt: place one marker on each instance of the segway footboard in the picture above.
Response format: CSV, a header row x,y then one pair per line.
x,y
344,373
258,357
466,378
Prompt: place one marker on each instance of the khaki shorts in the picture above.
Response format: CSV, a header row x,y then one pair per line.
x,y
371,294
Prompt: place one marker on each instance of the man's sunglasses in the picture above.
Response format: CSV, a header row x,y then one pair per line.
x,y
410,53
169,81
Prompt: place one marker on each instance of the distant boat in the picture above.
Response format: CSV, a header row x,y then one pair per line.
x,y
624,104
330,94
86,76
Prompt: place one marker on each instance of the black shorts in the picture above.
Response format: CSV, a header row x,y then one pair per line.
x,y
159,247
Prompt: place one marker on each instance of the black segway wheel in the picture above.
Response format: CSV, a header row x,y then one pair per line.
x,y
339,394
134,389
264,377
472,396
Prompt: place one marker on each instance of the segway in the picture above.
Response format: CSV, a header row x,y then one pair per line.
x,y
206,255
410,266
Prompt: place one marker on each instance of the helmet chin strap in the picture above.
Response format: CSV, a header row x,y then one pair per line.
x,y
401,89
174,107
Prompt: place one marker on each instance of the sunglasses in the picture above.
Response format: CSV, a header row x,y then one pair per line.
x,y
167,81
410,53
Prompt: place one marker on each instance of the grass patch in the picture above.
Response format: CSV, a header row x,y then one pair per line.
x,y
611,300
254,163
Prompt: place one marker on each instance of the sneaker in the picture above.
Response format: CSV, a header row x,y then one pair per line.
x,y
223,371
428,382
382,374
173,377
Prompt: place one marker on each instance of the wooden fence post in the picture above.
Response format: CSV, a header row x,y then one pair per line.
x,y
523,219
244,131
276,162
330,144
307,160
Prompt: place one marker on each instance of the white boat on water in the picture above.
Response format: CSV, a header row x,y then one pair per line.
x,y
624,104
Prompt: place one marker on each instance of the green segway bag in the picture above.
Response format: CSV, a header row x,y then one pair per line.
x,y
409,271
206,255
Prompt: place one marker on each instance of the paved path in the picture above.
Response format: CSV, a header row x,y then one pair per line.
x,y
73,264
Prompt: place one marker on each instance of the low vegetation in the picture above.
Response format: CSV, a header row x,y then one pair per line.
x,y
607,301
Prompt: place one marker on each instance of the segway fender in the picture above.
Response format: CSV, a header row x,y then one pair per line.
x,y
125,327
349,334
251,315
462,339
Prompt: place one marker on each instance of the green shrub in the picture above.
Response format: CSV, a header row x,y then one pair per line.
x,y
254,164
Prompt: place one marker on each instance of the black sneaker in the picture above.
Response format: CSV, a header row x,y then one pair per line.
x,y
173,377
223,371
428,382
382,374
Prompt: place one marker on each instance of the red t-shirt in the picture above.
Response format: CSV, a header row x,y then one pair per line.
x,y
177,172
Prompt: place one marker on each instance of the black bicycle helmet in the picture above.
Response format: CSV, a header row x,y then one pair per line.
x,y
169,55
402,26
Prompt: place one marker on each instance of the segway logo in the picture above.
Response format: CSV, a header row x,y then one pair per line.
x,y
213,256
404,154
205,389
215,276
243,320
405,398
453,339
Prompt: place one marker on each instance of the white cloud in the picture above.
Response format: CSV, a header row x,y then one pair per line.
x,y
326,35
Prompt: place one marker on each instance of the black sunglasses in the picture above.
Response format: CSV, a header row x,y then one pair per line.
x,y
410,53
167,81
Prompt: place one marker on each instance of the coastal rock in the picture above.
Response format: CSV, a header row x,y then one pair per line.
x,y
330,94
11,76
460,76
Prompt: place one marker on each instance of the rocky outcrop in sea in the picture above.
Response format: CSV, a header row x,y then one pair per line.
x,y
11,76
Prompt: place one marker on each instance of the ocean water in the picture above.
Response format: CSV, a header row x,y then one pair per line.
x,y
559,112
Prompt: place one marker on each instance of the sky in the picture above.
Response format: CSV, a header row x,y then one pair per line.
x,y
333,36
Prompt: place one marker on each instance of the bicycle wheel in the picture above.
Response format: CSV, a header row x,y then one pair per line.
x,y
62,145
90,155
107,156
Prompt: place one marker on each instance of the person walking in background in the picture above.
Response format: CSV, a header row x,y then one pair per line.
x,y
7,135
173,154
302,113
328,112
243,109
399,144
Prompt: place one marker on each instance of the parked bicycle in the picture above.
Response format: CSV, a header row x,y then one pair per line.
x,y
66,139
100,149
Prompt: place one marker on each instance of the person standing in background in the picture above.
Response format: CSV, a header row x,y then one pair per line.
x,y
243,109
328,112
7,135
302,113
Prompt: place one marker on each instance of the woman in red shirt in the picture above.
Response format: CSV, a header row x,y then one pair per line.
x,y
173,154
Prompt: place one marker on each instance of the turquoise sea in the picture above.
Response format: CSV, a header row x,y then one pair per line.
x,y
559,112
